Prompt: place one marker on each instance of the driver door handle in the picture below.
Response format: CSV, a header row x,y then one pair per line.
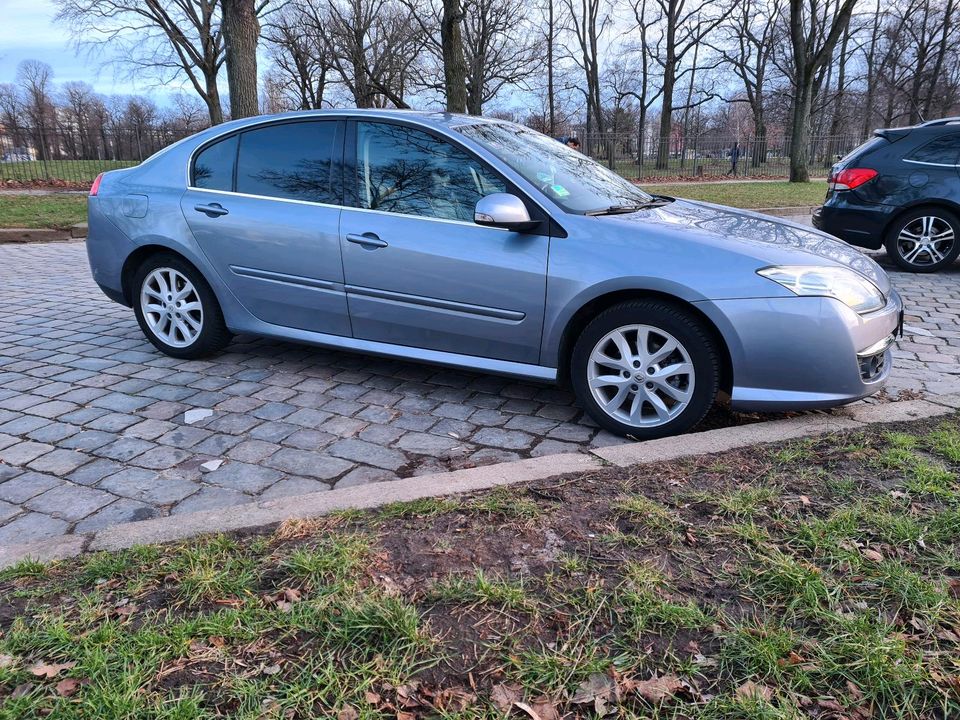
x,y
367,240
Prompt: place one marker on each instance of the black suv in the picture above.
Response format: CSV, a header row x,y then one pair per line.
x,y
901,190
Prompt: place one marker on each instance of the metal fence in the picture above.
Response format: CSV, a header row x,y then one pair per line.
x,y
650,158
32,155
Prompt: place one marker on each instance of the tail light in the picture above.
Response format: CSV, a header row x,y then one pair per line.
x,y
96,185
850,178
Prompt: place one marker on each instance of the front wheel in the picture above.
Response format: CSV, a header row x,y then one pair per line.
x,y
924,240
645,369
177,310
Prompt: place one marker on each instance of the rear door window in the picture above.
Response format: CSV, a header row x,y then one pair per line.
x,y
944,150
291,161
213,168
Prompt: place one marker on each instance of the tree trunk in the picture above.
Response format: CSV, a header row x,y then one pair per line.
x,y
241,31
666,116
454,63
212,99
800,134
550,98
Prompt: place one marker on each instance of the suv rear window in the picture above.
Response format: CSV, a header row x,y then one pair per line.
x,y
944,150
862,149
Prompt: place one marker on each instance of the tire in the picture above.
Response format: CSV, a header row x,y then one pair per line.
x,y
911,240
191,330
650,405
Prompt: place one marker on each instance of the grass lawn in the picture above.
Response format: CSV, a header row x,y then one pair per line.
x,y
748,194
42,211
815,579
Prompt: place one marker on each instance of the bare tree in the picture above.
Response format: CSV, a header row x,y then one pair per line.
x,y
375,47
35,79
167,38
815,28
587,21
299,52
686,26
751,43
496,49
241,33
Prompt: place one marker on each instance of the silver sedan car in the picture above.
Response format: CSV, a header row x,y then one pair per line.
x,y
482,244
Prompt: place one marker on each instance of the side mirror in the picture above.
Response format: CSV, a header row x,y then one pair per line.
x,y
503,210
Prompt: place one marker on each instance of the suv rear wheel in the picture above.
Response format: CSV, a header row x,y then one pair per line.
x,y
924,240
645,369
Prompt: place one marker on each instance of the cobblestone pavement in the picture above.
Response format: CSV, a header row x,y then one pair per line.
x,y
92,429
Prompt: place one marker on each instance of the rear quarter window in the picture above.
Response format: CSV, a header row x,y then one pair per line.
x,y
864,149
944,150
213,166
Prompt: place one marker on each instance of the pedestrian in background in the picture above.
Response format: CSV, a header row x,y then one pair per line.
x,y
734,157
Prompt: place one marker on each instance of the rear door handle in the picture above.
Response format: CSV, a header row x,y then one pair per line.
x,y
367,240
211,210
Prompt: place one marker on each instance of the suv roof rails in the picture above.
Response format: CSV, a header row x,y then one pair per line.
x,y
941,121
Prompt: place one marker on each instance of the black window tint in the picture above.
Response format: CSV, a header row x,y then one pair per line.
x,y
945,150
213,168
408,171
289,160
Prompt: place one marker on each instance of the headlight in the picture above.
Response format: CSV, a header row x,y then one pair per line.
x,y
847,286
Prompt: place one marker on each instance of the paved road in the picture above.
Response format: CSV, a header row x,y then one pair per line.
x,y
92,429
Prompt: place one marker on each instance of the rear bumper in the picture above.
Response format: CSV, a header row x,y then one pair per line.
x,y
107,250
804,352
845,216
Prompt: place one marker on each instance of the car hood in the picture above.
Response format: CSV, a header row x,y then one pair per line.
x,y
770,240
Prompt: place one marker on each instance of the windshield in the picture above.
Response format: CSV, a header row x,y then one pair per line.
x,y
571,180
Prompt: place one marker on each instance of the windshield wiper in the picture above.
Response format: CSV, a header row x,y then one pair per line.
x,y
656,201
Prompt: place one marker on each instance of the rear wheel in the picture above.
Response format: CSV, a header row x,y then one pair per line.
x,y
645,369
924,240
176,308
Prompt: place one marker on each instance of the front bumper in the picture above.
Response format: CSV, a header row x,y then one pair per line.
x,y
804,352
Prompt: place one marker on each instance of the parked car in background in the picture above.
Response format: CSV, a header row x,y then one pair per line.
x,y
900,190
482,244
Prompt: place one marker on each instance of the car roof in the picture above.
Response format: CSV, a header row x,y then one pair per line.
x,y
423,117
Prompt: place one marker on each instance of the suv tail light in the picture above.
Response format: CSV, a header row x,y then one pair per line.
x,y
850,178
96,185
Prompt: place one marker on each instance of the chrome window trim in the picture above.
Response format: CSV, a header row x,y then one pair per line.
x,y
265,197
932,164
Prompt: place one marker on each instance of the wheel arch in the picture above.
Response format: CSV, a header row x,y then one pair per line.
x,y
932,203
135,259
597,305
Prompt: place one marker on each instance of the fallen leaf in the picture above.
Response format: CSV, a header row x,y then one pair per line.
x,y
271,670
597,685
505,696
6,661
20,690
804,500
348,712
870,554
50,670
67,687
529,711
658,688
372,698
752,691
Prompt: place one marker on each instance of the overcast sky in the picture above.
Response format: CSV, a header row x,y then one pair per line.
x,y
27,32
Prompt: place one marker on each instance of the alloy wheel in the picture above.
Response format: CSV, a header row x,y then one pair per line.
x,y
641,376
171,307
925,241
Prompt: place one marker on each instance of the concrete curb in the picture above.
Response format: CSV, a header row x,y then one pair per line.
x,y
30,235
258,514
